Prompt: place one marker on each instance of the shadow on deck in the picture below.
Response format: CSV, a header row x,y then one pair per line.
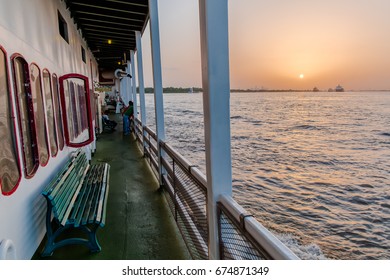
x,y
139,224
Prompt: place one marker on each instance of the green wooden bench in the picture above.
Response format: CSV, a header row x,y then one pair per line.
x,y
76,198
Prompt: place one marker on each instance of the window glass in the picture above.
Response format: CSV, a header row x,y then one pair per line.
x,y
63,27
50,112
73,120
9,164
76,110
83,56
57,111
26,120
68,114
39,114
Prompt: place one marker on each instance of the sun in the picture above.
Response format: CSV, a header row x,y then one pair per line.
x,y
301,76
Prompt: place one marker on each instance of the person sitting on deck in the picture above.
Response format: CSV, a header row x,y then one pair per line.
x,y
127,118
107,121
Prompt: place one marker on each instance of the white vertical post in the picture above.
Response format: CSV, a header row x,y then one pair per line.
x,y
135,105
140,77
118,88
157,79
141,84
128,84
213,15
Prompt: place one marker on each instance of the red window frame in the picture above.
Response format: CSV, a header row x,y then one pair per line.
x,y
65,112
43,143
30,123
58,111
51,127
12,122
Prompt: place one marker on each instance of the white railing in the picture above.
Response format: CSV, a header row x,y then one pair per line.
x,y
241,236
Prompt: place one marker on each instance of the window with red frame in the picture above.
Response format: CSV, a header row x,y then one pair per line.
x,y
57,112
39,114
76,110
51,125
26,118
9,163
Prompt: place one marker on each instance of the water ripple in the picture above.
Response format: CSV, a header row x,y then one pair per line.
x,y
312,167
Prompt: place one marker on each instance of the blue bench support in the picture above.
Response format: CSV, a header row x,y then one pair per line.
x,y
76,198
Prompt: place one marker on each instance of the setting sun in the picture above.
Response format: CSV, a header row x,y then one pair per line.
x,y
301,76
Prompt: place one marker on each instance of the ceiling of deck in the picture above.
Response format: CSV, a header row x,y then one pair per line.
x,y
114,20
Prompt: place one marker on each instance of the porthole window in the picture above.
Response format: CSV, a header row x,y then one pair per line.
x,y
39,114
57,111
9,163
26,118
51,125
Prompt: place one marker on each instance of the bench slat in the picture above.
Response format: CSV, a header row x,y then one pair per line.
x,y
101,213
80,199
83,204
59,176
55,183
91,209
98,186
65,218
60,201
68,189
62,174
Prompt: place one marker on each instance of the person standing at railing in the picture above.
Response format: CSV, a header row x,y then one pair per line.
x,y
128,115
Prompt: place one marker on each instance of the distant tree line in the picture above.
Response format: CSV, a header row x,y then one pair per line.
x,y
196,89
174,90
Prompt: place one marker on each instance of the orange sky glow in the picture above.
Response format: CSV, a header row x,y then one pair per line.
x,y
272,43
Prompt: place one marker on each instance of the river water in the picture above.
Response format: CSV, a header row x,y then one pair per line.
x,y
314,168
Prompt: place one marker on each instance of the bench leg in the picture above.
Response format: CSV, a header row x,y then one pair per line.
x,y
48,251
92,242
51,245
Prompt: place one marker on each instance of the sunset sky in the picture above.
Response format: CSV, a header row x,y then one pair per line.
x,y
282,44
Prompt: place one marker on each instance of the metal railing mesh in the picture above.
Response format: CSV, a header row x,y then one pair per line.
x,y
138,130
235,243
186,192
187,200
185,195
150,149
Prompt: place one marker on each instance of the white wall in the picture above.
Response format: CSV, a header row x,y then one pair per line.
x,y
30,28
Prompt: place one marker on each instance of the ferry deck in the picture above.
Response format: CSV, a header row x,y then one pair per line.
x,y
160,206
139,223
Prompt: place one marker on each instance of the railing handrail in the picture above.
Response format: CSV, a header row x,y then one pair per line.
x,y
192,169
186,164
269,242
150,132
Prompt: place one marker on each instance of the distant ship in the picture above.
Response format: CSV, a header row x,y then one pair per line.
x,y
315,89
339,88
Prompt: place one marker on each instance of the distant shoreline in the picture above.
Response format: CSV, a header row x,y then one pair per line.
x,y
197,90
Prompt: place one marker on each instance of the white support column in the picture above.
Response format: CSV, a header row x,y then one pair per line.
x,y
157,79
140,77
118,88
141,85
128,84
134,89
213,15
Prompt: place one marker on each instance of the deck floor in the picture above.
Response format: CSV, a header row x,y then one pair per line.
x,y
139,224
